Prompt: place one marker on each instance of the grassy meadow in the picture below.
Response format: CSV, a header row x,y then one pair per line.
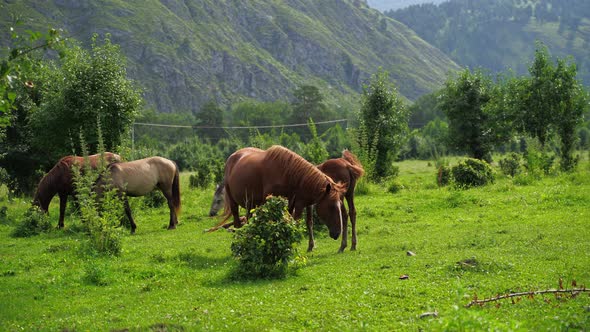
x,y
511,236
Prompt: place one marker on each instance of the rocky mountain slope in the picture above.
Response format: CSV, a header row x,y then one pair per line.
x,y
188,52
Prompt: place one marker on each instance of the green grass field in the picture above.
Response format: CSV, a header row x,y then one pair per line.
x,y
493,240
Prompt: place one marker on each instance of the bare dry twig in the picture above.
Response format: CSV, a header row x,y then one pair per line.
x,y
531,294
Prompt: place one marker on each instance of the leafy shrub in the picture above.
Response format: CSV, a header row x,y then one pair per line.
x,y
510,165
472,173
443,176
394,186
536,161
101,215
34,222
265,245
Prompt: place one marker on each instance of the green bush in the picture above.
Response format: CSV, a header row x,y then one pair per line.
x,y
265,245
510,165
34,222
472,173
443,176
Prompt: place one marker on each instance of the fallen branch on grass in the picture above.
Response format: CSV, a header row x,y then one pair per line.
x,y
573,292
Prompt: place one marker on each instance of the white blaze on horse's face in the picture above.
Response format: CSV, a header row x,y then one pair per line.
x,y
331,214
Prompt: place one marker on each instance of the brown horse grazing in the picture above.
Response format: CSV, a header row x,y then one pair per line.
x,y
59,180
139,178
253,174
347,170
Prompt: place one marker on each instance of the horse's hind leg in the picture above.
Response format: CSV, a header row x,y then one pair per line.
x,y
173,218
352,213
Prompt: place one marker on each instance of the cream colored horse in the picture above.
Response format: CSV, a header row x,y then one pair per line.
x,y
140,177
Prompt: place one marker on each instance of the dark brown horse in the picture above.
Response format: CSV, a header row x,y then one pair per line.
x,y
139,178
252,174
347,170
59,180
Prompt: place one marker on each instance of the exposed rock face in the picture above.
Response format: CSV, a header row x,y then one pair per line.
x,y
187,52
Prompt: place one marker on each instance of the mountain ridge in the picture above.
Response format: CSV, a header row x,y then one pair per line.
x,y
188,52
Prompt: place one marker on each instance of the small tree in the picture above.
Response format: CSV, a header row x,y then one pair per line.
x,y
265,245
383,124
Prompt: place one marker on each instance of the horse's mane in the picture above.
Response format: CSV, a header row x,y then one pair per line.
x,y
356,168
296,167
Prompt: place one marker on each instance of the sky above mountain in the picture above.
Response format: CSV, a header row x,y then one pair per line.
x,y
383,5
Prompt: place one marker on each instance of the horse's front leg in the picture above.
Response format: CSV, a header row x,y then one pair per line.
x,y
63,201
344,216
309,222
128,213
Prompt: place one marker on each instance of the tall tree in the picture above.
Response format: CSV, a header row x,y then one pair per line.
x,y
471,124
64,99
572,102
90,88
383,124
539,103
210,117
550,101
308,103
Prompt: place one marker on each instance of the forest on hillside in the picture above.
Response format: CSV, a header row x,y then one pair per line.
x,y
500,35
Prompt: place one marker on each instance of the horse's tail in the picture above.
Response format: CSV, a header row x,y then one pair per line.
x,y
176,191
356,168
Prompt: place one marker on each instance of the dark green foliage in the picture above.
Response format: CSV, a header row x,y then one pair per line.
x,y
265,245
34,222
472,173
154,199
198,180
510,165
